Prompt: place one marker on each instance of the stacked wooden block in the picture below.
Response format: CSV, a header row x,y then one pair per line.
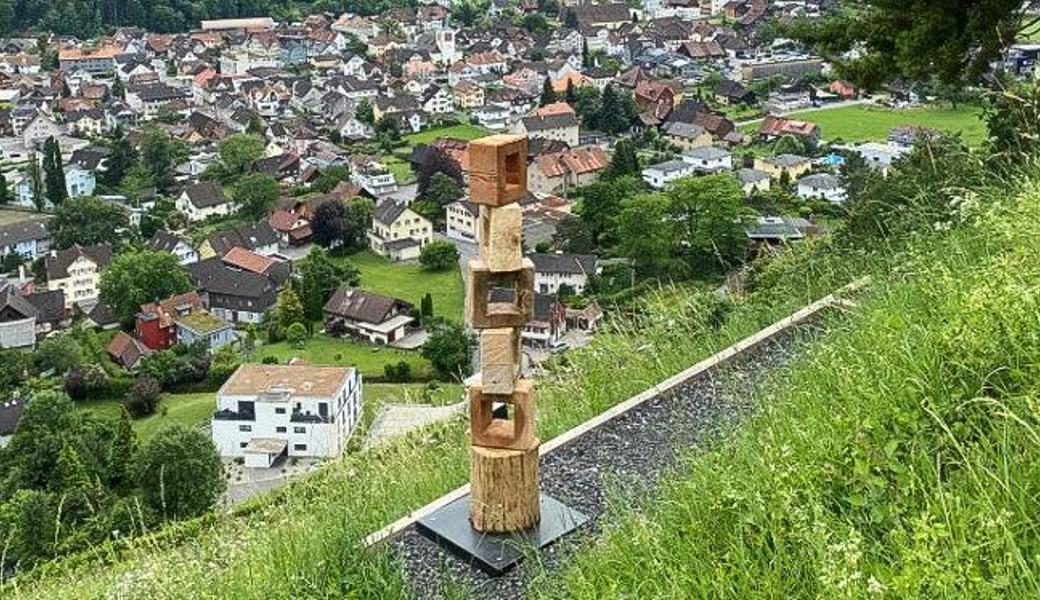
x,y
499,302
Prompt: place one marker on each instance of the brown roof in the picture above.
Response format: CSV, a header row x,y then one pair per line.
x,y
577,161
776,126
126,350
166,310
249,261
294,379
359,305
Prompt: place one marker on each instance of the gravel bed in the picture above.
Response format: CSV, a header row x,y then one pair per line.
x,y
624,458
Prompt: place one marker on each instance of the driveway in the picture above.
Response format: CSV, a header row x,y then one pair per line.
x,y
245,483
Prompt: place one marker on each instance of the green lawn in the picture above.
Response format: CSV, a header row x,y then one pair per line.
x,y
408,281
325,350
463,132
187,409
871,123
400,168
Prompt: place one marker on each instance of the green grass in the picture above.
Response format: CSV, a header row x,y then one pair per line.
x,y
900,458
870,123
901,448
409,282
321,349
463,132
186,409
400,168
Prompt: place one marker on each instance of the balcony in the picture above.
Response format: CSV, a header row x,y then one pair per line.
x,y
230,415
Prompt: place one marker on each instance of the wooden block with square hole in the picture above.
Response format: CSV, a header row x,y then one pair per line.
x,y
501,237
497,169
514,433
500,359
496,300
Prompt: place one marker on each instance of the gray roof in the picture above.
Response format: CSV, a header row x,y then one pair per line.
x,y
387,212
671,165
24,231
205,194
787,160
820,180
571,264
58,262
250,236
10,413
164,241
11,300
707,153
360,305
212,275
547,122
751,175
682,129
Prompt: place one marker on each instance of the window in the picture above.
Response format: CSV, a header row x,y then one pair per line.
x,y
300,447
299,430
279,429
279,411
323,409
245,427
243,444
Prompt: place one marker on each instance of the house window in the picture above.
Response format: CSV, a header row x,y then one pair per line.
x,y
243,444
279,411
323,409
300,447
279,429
245,427
299,430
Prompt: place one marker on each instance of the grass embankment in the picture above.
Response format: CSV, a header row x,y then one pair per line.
x,y
900,458
302,540
863,123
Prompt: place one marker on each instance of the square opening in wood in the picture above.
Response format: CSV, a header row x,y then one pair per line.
x,y
503,299
503,420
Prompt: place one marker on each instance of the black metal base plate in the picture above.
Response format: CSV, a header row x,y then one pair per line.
x,y
496,553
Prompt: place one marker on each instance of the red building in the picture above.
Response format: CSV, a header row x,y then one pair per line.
x,y
155,323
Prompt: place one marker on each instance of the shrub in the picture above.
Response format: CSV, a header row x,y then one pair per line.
x,y
439,255
400,372
143,397
296,334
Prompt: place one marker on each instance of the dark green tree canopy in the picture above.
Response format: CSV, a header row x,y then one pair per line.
x,y
954,40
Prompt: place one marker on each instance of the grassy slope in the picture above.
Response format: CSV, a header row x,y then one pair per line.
x,y
870,123
301,540
901,455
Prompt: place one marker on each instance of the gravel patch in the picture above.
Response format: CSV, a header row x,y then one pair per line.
x,y
624,459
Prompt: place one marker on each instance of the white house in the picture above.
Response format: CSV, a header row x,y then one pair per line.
x,y
821,186
373,177
398,232
662,174
556,121
199,201
461,220
554,270
753,180
708,159
77,271
372,317
265,412
881,156
27,238
163,241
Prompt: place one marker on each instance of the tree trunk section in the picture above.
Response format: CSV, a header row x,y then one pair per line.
x,y
504,489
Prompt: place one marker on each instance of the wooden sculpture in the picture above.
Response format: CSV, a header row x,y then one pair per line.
x,y
500,301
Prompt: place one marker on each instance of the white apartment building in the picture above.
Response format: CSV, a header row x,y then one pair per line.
x,y
264,412
77,271
461,220
660,175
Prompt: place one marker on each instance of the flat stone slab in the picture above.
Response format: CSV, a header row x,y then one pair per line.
x,y
496,553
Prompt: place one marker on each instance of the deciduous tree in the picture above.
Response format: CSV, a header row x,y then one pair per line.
x,y
179,472
137,277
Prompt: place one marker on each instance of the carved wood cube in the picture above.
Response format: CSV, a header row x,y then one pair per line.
x,y
501,237
497,169
499,299
500,359
517,432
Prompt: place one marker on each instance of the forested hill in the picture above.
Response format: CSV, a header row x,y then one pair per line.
x,y
89,18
